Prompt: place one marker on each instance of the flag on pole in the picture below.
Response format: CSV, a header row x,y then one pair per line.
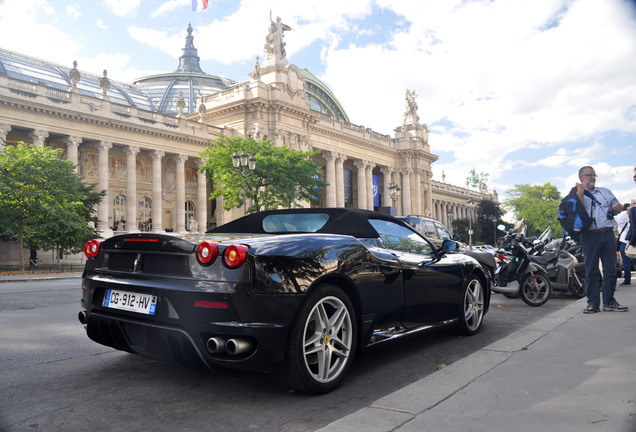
x,y
199,4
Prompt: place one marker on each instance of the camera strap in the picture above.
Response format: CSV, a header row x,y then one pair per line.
x,y
594,201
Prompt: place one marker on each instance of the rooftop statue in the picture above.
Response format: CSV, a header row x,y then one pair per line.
x,y
410,113
274,45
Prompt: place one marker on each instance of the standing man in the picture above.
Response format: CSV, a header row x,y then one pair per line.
x,y
622,225
598,242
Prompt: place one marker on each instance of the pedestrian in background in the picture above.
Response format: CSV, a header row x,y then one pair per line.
x,y
599,243
622,225
631,233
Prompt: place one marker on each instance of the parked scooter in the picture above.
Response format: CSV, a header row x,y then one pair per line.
x,y
518,275
565,272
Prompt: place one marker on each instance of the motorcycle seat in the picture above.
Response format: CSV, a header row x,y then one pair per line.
x,y
545,259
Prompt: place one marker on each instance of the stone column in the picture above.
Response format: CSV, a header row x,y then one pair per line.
x,y
386,193
418,192
330,174
157,199
406,191
362,178
102,185
131,188
180,225
38,136
444,218
72,146
202,200
370,167
340,190
4,131
429,190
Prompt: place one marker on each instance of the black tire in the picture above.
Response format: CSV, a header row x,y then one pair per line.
x,y
577,284
534,289
319,356
472,309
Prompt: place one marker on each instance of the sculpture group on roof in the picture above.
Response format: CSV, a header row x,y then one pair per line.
x,y
274,46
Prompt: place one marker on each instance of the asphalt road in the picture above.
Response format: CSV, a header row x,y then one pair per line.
x,y
53,378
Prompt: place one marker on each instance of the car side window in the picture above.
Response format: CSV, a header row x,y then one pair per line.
x,y
443,234
400,238
429,229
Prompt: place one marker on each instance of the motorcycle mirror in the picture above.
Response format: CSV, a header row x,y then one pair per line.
x,y
501,227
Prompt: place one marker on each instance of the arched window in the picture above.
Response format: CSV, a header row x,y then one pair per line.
x,y
144,213
190,221
119,213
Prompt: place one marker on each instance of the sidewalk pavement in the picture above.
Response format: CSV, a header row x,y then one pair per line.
x,y
28,277
566,372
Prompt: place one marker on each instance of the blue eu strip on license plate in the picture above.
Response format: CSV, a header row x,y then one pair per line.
x,y
130,301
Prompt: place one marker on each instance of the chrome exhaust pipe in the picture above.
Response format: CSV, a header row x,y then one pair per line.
x,y
215,345
82,317
238,346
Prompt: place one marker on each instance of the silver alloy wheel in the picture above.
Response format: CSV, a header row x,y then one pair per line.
x,y
474,305
328,339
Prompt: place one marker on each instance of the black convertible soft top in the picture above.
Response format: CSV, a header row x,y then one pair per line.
x,y
353,222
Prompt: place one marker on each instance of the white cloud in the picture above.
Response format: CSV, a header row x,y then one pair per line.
x,y
160,39
39,18
170,6
73,11
99,23
122,8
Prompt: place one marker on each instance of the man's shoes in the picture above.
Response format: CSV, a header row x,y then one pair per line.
x,y
591,310
615,307
625,283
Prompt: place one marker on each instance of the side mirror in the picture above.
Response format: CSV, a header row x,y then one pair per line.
x,y
449,245
501,227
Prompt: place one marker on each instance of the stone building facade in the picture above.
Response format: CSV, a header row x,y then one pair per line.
x,y
148,160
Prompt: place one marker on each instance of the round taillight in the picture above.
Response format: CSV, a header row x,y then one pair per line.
x,y
91,248
207,252
235,255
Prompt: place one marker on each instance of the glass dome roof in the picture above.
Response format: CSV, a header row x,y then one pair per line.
x,y
23,68
188,79
322,99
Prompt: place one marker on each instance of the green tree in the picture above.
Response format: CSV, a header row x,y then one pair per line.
x,y
282,176
43,202
477,180
534,204
488,217
461,228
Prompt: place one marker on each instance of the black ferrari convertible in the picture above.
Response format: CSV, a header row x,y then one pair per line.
x,y
294,292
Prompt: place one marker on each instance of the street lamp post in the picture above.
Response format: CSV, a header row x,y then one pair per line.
x,y
449,214
394,192
241,161
471,206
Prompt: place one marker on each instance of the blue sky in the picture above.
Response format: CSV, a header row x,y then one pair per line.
x,y
524,90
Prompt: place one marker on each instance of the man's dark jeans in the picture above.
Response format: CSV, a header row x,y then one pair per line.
x,y
599,245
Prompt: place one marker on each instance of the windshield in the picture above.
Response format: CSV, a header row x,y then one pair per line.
x,y
294,222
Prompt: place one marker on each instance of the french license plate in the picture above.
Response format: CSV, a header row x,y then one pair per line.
x,y
130,301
